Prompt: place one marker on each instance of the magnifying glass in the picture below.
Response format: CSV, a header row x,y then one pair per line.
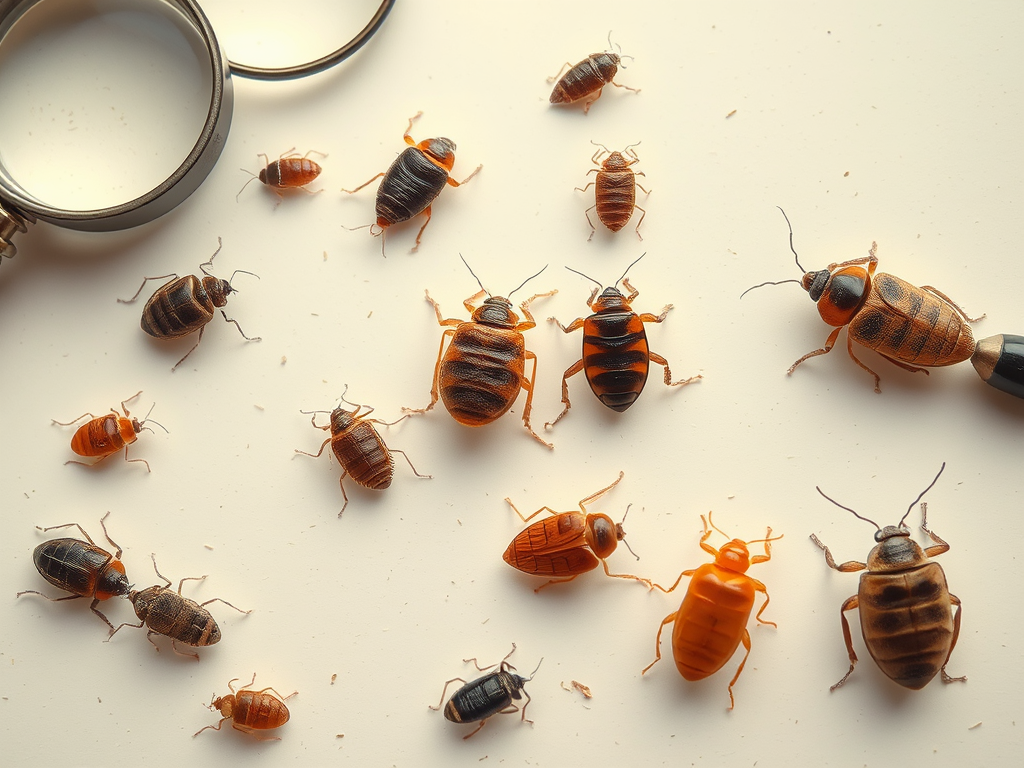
x,y
102,100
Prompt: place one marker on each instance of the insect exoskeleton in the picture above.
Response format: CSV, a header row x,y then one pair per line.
x,y
712,620
81,568
413,182
359,448
568,544
585,80
289,171
251,711
906,609
165,612
186,304
103,436
615,193
482,371
486,696
616,357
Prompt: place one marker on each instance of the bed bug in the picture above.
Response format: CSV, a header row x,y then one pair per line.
x,y
999,360
168,613
103,436
907,325
568,544
586,78
616,358
492,694
712,620
250,711
290,171
185,305
480,374
413,182
615,193
905,606
84,569
359,448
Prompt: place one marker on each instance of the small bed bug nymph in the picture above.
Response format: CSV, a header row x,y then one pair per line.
x,y
290,171
492,694
185,305
615,195
905,606
250,711
586,78
103,436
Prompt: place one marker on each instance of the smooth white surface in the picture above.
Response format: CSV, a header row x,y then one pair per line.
x,y
899,123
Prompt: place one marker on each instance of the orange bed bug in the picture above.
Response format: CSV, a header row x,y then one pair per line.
x,y
185,305
908,326
481,373
413,182
359,448
165,612
290,171
616,357
615,193
712,620
568,544
586,78
85,570
103,436
906,609
251,711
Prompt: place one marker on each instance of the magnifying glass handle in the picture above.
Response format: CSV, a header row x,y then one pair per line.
x,y
10,224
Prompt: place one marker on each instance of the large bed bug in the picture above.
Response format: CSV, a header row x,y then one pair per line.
x,y
413,182
905,606
492,694
712,620
616,358
290,171
186,304
615,193
165,612
81,568
250,711
586,78
907,325
999,360
103,436
481,373
568,544
359,448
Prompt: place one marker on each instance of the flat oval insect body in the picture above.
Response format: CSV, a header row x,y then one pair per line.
x,y
103,436
615,189
586,78
712,620
250,711
290,171
999,360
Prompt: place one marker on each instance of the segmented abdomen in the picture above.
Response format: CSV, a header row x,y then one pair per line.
x,y
409,186
616,357
482,373
581,80
259,710
711,621
102,436
364,456
615,196
177,309
183,619
71,564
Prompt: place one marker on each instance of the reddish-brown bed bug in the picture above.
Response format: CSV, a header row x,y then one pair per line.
x,y
251,711
103,436
492,694
907,325
413,182
168,613
999,360
712,620
359,448
615,193
290,171
586,78
568,544
481,373
85,570
616,358
185,305
906,609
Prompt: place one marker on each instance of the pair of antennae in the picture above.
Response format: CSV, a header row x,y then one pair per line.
x,y
912,504
617,281
489,295
795,255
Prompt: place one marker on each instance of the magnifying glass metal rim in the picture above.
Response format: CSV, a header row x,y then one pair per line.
x,y
18,207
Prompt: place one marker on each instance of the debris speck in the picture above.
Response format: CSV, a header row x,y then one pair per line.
x,y
370,315
339,736
208,546
582,689
283,359
846,174
259,407
976,725
730,114
333,678
325,255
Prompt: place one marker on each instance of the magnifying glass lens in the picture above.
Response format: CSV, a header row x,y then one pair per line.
x,y
101,101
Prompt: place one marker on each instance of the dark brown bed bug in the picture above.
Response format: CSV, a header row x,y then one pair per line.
x,y
615,193
616,358
492,694
186,304
359,448
251,711
84,569
413,182
103,436
169,613
480,374
999,360
907,325
585,80
290,171
905,606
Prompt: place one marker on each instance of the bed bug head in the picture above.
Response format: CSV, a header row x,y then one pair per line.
x,y
603,535
217,288
838,293
611,298
440,150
